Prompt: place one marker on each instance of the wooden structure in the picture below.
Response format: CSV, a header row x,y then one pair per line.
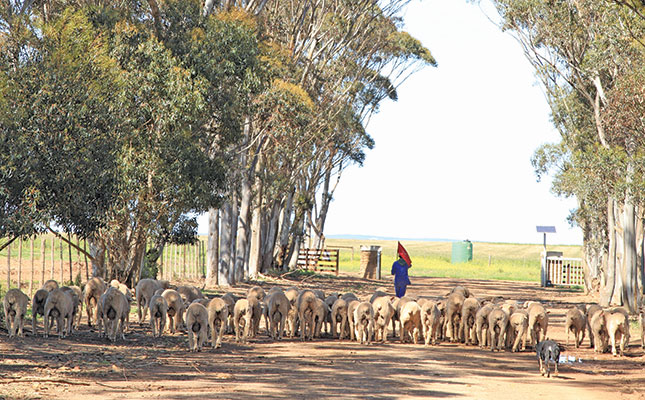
x,y
561,271
319,260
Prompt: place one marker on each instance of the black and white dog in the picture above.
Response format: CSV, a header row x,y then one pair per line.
x,y
547,350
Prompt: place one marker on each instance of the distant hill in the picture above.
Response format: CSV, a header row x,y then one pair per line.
x,y
368,237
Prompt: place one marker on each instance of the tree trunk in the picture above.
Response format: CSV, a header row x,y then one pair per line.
x,y
629,272
212,252
284,229
226,277
256,237
298,231
97,252
241,268
234,217
607,286
271,230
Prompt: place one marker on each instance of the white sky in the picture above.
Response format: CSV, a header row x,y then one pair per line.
x,y
452,155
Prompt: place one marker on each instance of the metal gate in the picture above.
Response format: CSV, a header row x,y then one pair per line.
x,y
564,271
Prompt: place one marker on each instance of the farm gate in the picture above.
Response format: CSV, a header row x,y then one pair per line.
x,y
319,259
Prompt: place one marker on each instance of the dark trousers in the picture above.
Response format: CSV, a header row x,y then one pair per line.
x,y
400,290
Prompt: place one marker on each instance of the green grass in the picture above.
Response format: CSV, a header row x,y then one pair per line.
x,y
500,261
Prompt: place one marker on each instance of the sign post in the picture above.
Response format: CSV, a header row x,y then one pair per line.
x,y
543,270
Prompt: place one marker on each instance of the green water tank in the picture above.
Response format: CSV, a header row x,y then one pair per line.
x,y
462,252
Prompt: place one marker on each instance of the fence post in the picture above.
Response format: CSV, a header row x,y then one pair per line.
x,y
9,266
543,270
19,263
43,243
60,248
31,281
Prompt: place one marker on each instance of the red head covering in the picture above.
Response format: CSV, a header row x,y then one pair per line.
x,y
403,254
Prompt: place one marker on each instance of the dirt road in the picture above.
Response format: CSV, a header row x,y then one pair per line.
x,y
86,367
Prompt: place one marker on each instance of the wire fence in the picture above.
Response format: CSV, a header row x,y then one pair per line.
x,y
27,264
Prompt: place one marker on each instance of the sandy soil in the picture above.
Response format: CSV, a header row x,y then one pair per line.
x,y
84,366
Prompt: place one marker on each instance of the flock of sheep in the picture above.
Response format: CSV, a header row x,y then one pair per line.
x,y
457,317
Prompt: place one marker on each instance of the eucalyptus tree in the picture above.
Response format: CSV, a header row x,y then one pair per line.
x,y
581,52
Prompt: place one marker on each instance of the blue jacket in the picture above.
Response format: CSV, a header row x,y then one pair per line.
x,y
400,272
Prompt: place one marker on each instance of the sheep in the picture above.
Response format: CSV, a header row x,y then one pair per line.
x,y
430,322
497,324
256,291
321,310
278,307
618,329
38,307
329,300
538,322
217,315
398,303
383,312
453,315
76,294
50,285
59,305
410,321
253,316
364,322
239,320
589,313
114,308
599,331
305,305
94,288
230,300
351,307
197,324
518,325
15,307
467,326
158,310
349,296
377,294
319,293
481,324
176,308
144,291
339,316
576,323
460,290
189,293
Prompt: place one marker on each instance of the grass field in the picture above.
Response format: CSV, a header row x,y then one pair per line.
x,y
503,261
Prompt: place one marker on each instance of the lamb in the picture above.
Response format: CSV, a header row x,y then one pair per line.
x,y
239,319
591,310
37,307
254,314
329,301
378,294
364,322
349,296
481,324
452,321
460,290
398,304
320,315
15,307
497,324
176,309
599,331
197,324
410,321
114,308
158,310
256,291
319,293
50,285
383,312
518,325
94,288
230,300
189,293
144,291
575,323
339,316
538,322
351,307
305,305
217,315
468,313
278,307
76,294
430,322
59,305
618,329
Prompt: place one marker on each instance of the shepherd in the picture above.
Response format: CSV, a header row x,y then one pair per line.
x,y
400,271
